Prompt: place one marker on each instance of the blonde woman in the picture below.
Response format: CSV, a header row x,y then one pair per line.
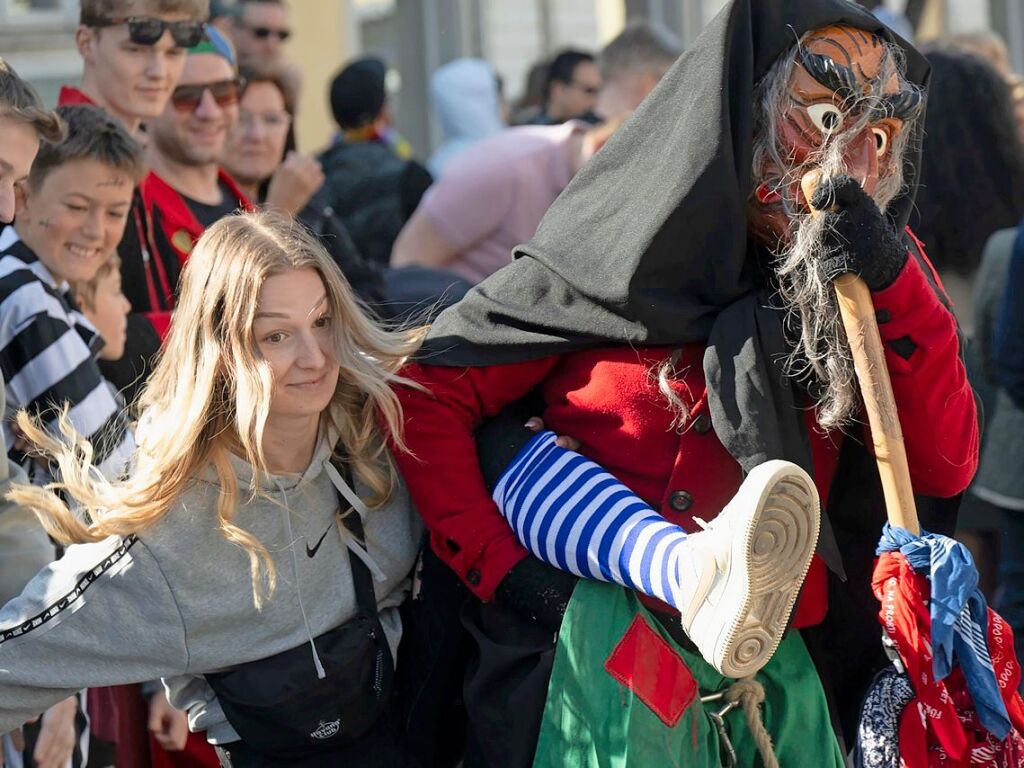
x,y
256,557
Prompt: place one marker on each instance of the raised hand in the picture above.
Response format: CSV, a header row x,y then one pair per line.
x,y
858,237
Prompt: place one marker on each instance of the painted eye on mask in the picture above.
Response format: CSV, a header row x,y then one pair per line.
x,y
826,117
881,141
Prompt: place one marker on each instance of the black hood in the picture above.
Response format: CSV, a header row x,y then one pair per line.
x,y
648,243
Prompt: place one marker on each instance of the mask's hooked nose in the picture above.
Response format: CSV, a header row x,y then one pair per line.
x,y
861,160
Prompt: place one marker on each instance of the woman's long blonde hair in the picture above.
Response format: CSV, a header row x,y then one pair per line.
x,y
210,395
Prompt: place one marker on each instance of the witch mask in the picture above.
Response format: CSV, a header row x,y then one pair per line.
x,y
837,101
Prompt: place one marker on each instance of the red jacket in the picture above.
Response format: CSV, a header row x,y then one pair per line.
x,y
173,229
606,398
70,95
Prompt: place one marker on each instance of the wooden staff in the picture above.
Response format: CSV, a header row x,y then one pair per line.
x,y
858,313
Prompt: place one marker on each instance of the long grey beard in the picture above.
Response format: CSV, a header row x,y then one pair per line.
x,y
820,357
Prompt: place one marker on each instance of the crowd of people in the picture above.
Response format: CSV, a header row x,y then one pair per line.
x,y
546,451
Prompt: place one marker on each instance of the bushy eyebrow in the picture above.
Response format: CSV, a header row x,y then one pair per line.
x,y
903,105
830,73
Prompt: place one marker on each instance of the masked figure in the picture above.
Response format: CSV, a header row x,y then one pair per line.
x,y
674,314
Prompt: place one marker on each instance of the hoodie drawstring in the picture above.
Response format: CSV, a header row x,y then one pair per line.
x,y
286,512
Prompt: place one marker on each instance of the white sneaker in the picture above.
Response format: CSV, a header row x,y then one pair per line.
x,y
742,574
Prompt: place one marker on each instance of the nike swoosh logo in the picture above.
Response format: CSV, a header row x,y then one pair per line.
x,y
707,577
312,552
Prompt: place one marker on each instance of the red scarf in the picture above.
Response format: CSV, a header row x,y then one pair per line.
x,y
939,727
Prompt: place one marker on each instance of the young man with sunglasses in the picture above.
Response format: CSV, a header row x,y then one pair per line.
x,y
133,53
187,190
571,88
260,29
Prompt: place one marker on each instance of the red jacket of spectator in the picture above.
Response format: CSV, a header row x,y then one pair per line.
x,y
173,229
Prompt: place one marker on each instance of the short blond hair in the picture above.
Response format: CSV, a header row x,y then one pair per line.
x,y
85,292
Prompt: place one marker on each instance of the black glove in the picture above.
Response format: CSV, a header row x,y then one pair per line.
x,y
858,238
537,591
500,438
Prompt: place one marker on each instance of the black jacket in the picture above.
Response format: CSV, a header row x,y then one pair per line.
x,y
373,192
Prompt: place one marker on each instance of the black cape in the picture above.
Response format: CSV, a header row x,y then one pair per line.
x,y
648,243
648,246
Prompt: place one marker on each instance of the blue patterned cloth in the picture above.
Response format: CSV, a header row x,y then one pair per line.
x,y
878,732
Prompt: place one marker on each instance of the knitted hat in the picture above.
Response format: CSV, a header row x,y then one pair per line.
x,y
358,92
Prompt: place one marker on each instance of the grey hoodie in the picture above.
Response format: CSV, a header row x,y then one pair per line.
x,y
176,601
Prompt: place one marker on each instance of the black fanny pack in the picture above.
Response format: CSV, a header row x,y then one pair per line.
x,y
281,708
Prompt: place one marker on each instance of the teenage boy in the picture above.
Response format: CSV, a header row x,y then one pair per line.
x,y
23,122
24,546
71,214
133,52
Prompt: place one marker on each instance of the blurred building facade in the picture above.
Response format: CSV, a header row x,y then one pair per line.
x,y
417,36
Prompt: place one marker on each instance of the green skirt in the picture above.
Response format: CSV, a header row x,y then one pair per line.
x,y
623,693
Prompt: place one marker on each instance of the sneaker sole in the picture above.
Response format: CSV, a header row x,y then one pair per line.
x,y
769,564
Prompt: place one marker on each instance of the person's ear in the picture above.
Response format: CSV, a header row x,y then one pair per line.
x,y
22,194
85,42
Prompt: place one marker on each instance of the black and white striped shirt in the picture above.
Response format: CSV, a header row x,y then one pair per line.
x,y
48,357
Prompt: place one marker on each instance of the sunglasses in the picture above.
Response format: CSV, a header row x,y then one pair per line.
x,y
263,33
144,30
186,98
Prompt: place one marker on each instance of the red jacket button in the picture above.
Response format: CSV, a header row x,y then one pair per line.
x,y
680,501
